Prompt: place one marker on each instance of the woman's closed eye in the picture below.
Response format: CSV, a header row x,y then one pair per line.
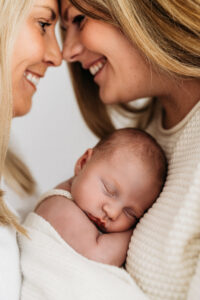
x,y
63,28
79,20
44,25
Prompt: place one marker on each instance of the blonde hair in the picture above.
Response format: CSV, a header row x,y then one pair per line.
x,y
12,15
167,32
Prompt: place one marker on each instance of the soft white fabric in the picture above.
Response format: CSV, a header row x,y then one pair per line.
x,y
55,192
10,277
10,273
53,270
164,253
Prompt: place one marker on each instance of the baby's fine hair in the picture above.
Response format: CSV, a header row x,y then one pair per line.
x,y
140,144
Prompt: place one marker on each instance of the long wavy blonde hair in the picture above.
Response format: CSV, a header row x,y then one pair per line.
x,y
166,31
12,14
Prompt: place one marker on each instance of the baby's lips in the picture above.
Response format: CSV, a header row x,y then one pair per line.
x,y
98,222
101,224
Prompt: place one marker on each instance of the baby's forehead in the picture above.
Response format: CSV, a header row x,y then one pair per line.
x,y
135,145
130,150
121,155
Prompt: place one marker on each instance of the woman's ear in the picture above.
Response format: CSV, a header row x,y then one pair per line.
x,y
83,160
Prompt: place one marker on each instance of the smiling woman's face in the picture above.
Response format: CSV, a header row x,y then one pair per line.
x,y
119,69
35,49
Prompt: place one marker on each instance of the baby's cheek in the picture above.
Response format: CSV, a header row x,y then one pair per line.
x,y
80,195
125,224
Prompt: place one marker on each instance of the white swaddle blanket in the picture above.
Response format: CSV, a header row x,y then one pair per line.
x,y
52,270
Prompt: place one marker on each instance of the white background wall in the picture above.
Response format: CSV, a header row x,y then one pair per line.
x,y
53,135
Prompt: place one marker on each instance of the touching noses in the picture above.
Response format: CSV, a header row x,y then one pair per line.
x,y
53,54
112,210
72,47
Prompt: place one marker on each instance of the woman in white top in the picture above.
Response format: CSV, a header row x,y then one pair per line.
x,y
119,51
28,47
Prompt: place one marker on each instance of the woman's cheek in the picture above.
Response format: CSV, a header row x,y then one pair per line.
x,y
88,35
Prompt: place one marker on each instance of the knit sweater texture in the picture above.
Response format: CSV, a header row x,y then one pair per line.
x,y
164,253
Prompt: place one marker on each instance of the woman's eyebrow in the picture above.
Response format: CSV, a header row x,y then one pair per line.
x,y
53,14
65,15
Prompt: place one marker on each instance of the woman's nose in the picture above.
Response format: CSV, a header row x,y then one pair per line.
x,y
53,54
72,47
112,210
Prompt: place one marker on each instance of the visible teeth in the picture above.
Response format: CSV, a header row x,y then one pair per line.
x,y
96,67
32,78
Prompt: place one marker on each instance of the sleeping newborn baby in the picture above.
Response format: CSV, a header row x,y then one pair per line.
x,y
91,216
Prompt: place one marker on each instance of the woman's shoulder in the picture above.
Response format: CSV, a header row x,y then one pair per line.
x,y
185,133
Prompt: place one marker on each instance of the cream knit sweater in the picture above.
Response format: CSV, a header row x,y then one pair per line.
x,y
164,253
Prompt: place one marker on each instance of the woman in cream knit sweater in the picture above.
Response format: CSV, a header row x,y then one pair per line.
x,y
119,51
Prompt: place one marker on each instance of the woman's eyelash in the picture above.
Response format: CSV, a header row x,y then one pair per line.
x,y
63,28
78,19
43,25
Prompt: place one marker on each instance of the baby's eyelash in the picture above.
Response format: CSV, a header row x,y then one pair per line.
x,y
108,190
130,213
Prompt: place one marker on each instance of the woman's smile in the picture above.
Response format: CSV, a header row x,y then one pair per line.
x,y
32,78
105,46
40,50
97,66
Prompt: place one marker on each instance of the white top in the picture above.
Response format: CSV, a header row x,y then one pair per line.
x,y
54,192
164,253
53,270
10,274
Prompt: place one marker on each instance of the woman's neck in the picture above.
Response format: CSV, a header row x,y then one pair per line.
x,y
181,98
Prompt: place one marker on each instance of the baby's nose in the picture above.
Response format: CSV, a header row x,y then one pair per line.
x,y
112,211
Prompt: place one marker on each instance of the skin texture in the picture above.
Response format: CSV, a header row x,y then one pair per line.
x,y
122,185
90,41
39,51
110,194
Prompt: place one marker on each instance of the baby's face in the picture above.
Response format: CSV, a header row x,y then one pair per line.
x,y
115,191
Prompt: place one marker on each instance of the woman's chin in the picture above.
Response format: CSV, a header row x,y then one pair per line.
x,y
21,111
108,98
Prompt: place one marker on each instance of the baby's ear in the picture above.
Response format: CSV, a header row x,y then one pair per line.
x,y
83,160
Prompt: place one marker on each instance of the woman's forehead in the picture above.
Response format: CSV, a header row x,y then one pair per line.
x,y
65,2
